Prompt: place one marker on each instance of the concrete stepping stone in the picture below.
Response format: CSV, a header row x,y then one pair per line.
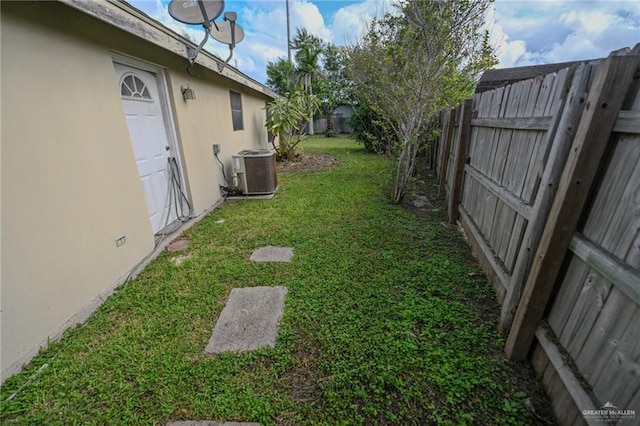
x,y
250,320
178,245
272,254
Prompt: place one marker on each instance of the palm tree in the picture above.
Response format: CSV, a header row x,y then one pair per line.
x,y
307,68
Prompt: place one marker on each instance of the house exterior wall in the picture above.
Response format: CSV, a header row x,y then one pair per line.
x,y
206,121
70,184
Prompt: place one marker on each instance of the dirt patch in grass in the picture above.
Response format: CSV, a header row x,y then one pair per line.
x,y
305,161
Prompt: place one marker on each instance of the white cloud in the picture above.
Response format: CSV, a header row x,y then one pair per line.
x,y
350,22
266,31
307,15
264,23
560,31
265,26
525,32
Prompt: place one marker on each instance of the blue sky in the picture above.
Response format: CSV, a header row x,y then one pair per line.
x,y
524,32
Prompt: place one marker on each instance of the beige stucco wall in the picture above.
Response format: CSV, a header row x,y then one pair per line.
x,y
206,121
70,184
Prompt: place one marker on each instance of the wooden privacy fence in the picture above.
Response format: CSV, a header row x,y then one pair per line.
x,y
544,177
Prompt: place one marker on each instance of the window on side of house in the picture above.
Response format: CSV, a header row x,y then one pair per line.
x,y
236,110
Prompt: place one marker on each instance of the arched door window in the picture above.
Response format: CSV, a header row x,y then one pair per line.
x,y
133,87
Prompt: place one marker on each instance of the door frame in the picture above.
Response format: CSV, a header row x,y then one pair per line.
x,y
165,106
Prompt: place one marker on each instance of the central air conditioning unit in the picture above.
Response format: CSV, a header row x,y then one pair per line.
x,y
256,171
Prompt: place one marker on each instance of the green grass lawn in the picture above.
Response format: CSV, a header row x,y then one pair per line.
x,y
385,321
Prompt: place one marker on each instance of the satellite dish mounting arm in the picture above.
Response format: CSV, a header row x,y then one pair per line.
x,y
231,17
207,28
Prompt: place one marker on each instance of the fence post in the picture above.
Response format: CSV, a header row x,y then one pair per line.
x,y
448,121
464,132
434,148
614,77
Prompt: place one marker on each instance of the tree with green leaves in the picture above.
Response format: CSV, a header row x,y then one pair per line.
x,y
308,50
319,70
333,87
280,76
304,39
413,63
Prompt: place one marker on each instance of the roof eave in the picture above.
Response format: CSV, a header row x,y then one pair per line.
x,y
123,16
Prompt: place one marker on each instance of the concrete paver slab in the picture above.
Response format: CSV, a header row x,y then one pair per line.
x,y
251,197
250,320
178,245
272,254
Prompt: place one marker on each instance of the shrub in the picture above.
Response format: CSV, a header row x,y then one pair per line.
x,y
371,130
285,118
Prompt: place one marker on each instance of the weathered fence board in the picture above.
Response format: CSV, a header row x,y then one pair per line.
x,y
551,206
613,80
576,390
628,122
620,274
606,359
453,147
591,298
521,123
504,166
448,119
510,147
547,168
557,390
507,197
601,329
460,156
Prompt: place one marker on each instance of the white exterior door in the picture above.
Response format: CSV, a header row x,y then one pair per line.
x,y
139,91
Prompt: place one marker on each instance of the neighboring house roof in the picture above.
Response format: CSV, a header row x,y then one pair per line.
x,y
492,79
122,15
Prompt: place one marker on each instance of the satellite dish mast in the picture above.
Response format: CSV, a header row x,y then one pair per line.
x,y
228,32
204,12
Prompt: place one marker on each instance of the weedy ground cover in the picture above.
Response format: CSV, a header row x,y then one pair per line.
x,y
387,321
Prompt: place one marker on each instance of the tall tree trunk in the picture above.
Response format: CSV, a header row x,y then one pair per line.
x,y
310,90
406,164
329,122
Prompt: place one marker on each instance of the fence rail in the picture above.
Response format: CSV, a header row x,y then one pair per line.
x,y
544,177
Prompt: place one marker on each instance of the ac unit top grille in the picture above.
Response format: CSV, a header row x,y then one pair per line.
x,y
256,153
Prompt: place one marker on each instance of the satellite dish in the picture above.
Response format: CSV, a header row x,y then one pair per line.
x,y
204,12
221,31
190,11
